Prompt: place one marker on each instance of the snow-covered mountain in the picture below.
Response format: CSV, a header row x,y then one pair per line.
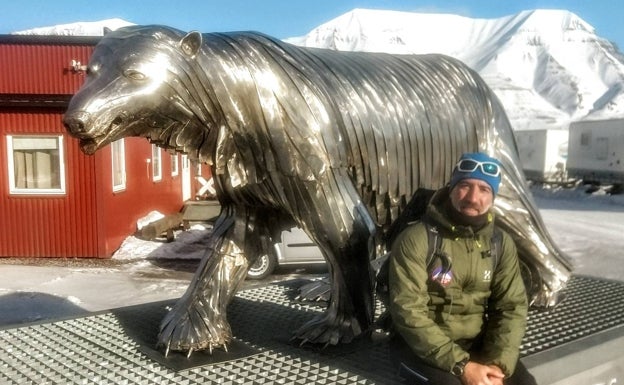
x,y
81,28
548,67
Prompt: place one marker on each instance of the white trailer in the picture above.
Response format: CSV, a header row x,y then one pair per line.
x,y
596,151
543,154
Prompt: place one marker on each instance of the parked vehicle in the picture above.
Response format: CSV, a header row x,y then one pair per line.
x,y
295,249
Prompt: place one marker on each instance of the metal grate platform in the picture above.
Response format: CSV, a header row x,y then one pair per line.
x,y
592,306
116,347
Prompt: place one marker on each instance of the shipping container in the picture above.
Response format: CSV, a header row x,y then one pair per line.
x,y
543,154
596,151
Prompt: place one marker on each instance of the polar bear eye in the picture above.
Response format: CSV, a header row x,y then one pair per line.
x,y
92,69
134,74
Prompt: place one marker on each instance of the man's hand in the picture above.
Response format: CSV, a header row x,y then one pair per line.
x,y
477,374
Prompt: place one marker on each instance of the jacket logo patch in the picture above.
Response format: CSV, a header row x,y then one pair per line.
x,y
443,277
487,275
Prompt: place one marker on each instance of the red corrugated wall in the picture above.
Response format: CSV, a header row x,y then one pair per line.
x,y
121,210
89,220
41,68
47,225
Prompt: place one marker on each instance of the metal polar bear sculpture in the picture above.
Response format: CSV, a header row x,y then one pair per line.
x,y
334,142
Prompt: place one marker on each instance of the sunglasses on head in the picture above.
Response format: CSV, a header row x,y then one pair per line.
x,y
470,165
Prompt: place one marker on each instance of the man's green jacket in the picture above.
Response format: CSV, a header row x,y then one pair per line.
x,y
471,311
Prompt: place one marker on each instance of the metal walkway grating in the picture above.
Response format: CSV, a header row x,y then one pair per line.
x,y
116,347
591,306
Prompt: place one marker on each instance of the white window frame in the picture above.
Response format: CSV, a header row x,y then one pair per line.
x,y
14,190
119,146
156,163
175,165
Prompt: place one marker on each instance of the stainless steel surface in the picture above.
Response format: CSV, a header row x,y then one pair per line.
x,y
333,142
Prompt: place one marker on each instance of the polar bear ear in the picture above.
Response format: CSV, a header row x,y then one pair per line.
x,y
191,42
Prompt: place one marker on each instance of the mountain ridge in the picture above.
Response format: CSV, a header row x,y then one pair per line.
x,y
548,67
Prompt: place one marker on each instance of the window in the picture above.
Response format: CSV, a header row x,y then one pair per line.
x,y
602,148
36,164
118,155
156,163
174,165
585,138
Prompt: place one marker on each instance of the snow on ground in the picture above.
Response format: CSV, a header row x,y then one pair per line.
x,y
139,272
587,227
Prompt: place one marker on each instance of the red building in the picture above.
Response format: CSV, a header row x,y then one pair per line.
x,y
56,201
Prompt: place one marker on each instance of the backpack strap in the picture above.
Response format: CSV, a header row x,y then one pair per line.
x,y
434,243
496,247
434,249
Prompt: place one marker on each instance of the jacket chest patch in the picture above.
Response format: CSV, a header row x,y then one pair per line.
x,y
487,275
441,276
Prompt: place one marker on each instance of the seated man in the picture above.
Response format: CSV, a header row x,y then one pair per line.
x,y
459,312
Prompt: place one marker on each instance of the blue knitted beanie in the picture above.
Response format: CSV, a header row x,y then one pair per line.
x,y
477,165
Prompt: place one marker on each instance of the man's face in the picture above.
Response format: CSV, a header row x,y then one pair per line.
x,y
472,197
